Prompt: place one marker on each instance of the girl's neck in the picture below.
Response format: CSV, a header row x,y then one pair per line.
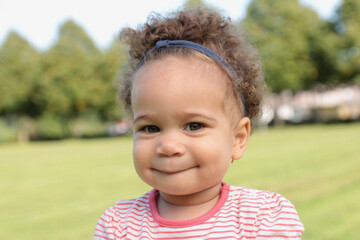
x,y
179,208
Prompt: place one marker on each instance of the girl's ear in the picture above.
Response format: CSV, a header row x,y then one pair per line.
x,y
241,134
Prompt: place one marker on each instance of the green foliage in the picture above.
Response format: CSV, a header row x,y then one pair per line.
x,y
8,131
77,77
51,126
70,84
73,36
113,60
58,190
295,44
66,83
19,70
348,25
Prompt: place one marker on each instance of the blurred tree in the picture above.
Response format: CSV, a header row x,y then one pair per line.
x,y
72,85
108,68
19,69
324,47
68,81
293,43
347,25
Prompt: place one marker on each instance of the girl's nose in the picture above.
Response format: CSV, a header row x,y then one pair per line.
x,y
170,146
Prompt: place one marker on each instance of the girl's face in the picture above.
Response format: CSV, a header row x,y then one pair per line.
x,y
183,136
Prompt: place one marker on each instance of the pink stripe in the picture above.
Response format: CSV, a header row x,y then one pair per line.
x,y
279,236
276,215
273,221
96,235
280,230
98,230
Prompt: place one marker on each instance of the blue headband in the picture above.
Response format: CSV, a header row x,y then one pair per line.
x,y
200,48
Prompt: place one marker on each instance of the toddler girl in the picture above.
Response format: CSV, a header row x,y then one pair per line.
x,y
193,89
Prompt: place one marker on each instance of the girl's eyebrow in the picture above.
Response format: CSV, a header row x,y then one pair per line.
x,y
141,117
181,115
196,114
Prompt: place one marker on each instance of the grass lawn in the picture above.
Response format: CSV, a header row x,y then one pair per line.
x,y
58,190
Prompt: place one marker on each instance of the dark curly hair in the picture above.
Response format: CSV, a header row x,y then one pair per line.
x,y
205,27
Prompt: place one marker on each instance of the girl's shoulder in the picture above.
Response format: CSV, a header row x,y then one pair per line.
x,y
260,200
113,219
254,195
123,207
268,212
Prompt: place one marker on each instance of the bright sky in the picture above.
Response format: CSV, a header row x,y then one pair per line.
x,y
38,20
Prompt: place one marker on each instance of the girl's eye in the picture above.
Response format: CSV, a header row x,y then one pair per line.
x,y
151,129
194,126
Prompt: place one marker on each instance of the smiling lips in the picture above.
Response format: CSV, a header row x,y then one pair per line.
x,y
172,171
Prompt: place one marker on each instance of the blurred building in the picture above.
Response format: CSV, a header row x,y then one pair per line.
x,y
341,103
121,127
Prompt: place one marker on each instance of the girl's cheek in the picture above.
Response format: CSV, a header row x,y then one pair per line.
x,y
136,150
141,149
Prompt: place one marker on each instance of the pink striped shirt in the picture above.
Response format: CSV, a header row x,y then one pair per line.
x,y
241,213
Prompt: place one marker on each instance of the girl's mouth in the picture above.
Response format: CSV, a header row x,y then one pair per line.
x,y
173,171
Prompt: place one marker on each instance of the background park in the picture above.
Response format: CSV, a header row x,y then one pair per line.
x,y
65,155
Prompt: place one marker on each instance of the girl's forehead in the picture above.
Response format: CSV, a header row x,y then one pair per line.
x,y
181,78
174,72
182,68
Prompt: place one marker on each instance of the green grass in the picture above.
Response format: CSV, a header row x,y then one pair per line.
x,y
58,190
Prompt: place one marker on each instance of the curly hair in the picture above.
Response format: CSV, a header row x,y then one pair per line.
x,y
205,27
